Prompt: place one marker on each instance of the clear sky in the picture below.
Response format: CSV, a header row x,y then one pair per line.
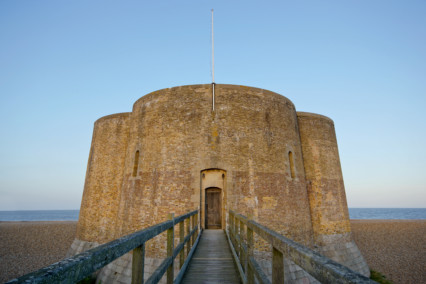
x,y
64,64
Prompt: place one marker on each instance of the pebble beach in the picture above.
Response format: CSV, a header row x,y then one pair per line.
x,y
395,248
28,246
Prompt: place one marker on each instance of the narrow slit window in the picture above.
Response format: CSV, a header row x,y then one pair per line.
x,y
290,157
136,165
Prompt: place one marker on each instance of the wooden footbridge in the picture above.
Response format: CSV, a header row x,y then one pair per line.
x,y
205,256
213,261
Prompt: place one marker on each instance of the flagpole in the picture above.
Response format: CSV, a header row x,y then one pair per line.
x,y
212,50
213,84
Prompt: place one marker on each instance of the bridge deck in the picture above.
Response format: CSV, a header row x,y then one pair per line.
x,y
212,261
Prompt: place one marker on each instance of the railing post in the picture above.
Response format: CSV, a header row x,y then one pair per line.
x,y
196,223
277,266
138,262
188,230
237,233
193,226
181,240
231,224
234,224
231,227
234,233
250,243
170,248
243,253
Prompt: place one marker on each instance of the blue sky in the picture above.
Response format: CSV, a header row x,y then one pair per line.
x,y
64,64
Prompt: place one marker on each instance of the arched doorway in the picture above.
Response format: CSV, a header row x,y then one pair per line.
x,y
213,208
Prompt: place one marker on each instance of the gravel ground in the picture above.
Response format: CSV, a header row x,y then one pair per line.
x,y
28,246
395,248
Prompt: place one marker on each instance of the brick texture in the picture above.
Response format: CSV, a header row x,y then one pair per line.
x,y
278,166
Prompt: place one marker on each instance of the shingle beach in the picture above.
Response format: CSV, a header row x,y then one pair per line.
x,y
395,248
28,246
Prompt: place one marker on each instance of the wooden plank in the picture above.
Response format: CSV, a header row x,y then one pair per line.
x,y
212,261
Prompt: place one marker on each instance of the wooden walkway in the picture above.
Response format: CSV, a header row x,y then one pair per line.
x,y
212,261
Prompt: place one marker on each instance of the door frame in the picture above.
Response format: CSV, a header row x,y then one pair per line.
x,y
209,178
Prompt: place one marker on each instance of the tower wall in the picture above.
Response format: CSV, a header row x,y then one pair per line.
x,y
98,213
161,157
249,136
326,191
178,136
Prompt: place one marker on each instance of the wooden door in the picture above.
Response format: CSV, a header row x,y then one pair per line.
x,y
213,208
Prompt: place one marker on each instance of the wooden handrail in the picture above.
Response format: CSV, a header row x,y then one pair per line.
x,y
318,266
78,267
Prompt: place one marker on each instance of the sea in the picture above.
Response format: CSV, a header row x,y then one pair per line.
x,y
354,213
387,213
39,215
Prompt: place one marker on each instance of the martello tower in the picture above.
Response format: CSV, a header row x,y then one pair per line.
x,y
252,153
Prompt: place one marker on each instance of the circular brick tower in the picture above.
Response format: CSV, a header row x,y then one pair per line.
x,y
176,150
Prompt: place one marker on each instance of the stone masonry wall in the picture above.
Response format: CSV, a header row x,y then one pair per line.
x,y
326,191
149,163
249,135
98,213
